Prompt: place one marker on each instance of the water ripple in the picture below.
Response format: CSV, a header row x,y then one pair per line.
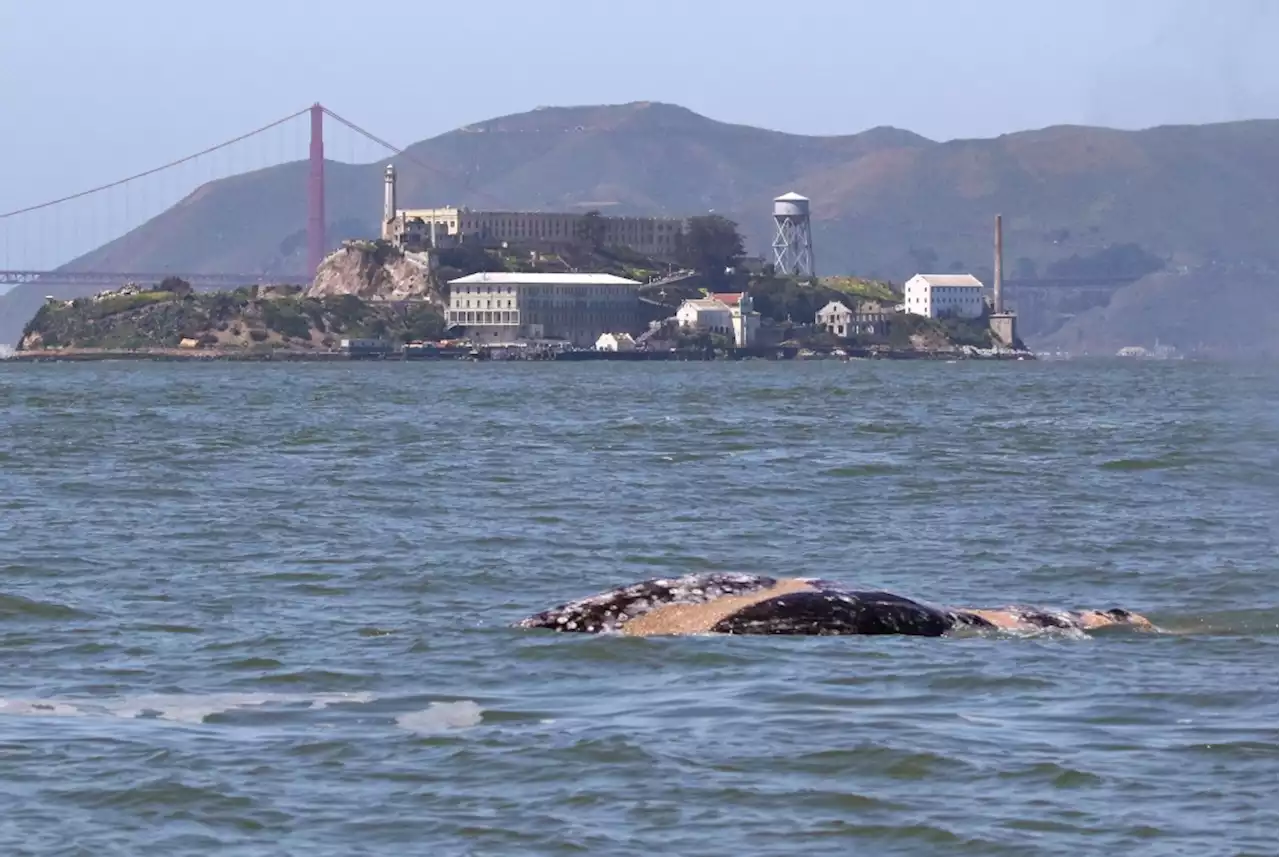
x,y
255,610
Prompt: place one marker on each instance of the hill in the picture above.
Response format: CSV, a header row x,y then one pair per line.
x,y
886,203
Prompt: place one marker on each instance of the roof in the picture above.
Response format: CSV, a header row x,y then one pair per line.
x,y
507,278
727,298
950,279
791,196
834,306
705,303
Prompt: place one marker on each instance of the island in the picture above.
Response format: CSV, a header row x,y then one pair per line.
x,y
385,299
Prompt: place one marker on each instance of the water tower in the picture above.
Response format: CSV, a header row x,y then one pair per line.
x,y
793,245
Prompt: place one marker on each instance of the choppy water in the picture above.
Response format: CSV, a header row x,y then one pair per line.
x,y
259,610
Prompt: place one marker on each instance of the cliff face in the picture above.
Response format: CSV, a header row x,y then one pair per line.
x,y
373,271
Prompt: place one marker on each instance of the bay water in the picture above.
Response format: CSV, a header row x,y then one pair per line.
x,y
265,609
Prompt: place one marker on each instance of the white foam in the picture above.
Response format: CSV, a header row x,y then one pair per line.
x,y
194,708
441,717
174,707
38,708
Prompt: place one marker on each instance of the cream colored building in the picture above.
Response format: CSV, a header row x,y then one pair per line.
x,y
936,295
725,313
841,320
652,236
507,307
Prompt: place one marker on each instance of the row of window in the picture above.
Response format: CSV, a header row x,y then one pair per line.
x,y
593,320
473,317
620,291
968,299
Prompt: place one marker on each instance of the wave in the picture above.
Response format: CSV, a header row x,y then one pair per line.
x,y
12,606
1220,623
189,708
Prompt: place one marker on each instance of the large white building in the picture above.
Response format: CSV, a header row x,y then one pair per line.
x,y
938,295
505,307
725,313
416,227
652,236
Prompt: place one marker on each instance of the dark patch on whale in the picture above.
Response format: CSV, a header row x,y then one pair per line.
x,y
829,612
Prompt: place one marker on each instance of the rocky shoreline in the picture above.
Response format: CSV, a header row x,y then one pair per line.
x,y
285,355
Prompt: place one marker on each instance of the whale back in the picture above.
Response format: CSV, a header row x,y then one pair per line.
x,y
611,610
743,604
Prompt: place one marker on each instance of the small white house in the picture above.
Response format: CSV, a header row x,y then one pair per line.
x,y
867,318
937,295
726,313
615,342
705,315
836,318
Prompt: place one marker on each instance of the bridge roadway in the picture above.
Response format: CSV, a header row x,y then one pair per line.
x,y
117,279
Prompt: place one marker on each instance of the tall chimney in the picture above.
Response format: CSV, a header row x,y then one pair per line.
x,y
998,285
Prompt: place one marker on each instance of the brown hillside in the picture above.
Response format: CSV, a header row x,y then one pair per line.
x,y
887,203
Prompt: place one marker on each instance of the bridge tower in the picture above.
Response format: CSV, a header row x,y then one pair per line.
x,y
793,243
315,193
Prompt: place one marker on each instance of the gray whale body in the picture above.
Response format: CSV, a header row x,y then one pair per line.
x,y
729,603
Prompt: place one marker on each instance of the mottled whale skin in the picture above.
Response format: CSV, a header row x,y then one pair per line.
x,y
726,603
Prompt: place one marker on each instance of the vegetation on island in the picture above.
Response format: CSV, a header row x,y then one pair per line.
x,y
252,318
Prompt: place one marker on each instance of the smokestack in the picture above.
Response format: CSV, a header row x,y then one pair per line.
x,y
998,285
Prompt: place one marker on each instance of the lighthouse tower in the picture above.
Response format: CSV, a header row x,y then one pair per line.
x,y
389,204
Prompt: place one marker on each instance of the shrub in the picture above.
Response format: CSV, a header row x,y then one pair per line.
x,y
284,318
258,335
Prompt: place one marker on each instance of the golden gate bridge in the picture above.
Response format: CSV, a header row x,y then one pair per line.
x,y
34,239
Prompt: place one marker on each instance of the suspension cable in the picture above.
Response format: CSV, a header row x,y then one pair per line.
x,y
154,169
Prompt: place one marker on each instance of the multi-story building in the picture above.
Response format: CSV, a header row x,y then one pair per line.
x,y
840,320
936,295
506,307
652,236
726,313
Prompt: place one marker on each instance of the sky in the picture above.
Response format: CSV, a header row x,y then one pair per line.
x,y
93,91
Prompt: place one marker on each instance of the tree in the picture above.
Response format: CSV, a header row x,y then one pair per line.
x,y
177,285
710,244
591,228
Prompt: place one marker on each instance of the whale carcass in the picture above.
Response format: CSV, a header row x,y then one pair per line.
x,y
726,603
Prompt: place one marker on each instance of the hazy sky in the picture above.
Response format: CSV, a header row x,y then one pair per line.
x,y
91,91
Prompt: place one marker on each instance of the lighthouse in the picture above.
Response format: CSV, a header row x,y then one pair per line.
x,y
389,204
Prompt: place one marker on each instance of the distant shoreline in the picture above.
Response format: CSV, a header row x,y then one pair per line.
x,y
184,355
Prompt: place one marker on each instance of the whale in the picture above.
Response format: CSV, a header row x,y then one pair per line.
x,y
733,603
